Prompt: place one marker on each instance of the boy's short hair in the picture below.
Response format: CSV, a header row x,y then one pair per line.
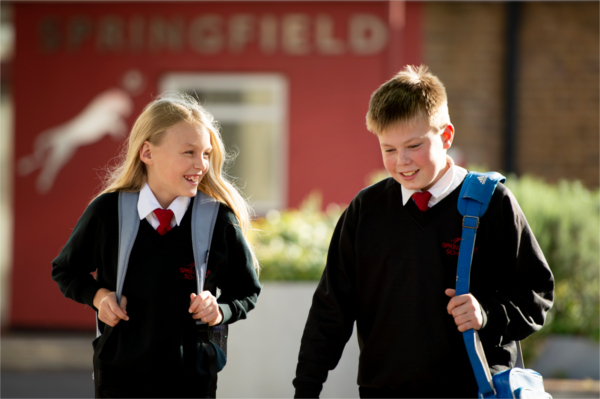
x,y
412,93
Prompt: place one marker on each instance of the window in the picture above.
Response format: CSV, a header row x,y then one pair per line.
x,y
252,112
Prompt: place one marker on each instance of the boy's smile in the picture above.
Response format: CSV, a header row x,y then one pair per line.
x,y
177,164
415,153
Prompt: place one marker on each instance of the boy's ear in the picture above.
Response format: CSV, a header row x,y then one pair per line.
x,y
448,136
146,153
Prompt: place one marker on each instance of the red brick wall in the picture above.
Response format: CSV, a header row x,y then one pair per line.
x,y
557,89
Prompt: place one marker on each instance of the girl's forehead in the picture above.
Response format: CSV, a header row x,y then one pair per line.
x,y
185,131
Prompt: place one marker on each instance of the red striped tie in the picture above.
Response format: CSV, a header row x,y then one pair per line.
x,y
164,217
422,200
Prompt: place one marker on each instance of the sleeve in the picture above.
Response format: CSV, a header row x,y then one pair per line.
x,y
519,304
238,283
332,313
72,268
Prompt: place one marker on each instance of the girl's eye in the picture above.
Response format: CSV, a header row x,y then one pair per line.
x,y
190,152
207,154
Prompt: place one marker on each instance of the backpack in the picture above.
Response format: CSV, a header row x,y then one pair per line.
x,y
517,382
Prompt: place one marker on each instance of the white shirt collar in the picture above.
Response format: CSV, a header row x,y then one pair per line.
x,y
147,203
440,190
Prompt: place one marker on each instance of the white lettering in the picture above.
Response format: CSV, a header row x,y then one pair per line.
x,y
368,34
206,34
110,34
326,42
268,34
241,32
296,34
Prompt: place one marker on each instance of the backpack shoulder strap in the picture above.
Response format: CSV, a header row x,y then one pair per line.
x,y
204,216
129,223
473,201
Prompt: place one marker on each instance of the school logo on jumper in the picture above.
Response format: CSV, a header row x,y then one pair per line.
x,y
453,247
189,272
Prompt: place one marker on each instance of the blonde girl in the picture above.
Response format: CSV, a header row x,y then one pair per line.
x,y
148,346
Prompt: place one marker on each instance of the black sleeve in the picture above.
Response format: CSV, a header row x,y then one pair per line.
x,y
81,255
332,313
519,304
237,279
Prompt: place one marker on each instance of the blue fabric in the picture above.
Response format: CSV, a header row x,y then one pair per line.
x,y
474,198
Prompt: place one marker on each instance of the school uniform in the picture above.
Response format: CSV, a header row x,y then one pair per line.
x,y
387,269
153,354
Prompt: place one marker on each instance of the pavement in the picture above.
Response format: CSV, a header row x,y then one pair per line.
x,y
58,365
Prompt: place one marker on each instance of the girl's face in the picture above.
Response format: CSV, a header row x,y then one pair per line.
x,y
415,154
177,164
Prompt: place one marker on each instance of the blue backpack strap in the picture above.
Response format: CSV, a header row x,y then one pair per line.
x,y
204,216
473,201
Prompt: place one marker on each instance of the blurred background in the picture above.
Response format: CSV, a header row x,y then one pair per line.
x,y
289,83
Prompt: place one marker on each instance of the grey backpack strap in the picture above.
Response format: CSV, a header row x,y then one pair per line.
x,y
204,215
129,223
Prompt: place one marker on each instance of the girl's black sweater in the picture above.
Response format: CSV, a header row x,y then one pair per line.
x,y
387,268
159,281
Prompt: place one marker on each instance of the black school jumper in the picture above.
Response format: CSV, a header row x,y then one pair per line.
x,y
387,269
153,354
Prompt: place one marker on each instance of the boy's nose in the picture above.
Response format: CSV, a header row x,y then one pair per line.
x,y
403,158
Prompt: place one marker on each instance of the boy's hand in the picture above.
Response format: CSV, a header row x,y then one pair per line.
x,y
466,311
204,307
109,311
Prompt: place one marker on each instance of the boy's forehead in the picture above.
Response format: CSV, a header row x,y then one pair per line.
x,y
405,130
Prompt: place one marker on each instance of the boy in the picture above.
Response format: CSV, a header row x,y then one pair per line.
x,y
391,266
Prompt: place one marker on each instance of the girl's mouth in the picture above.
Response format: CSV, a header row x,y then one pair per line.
x,y
192,178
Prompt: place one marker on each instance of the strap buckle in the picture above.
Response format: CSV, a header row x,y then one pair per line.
x,y
470,224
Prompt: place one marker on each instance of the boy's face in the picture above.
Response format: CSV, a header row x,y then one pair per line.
x,y
415,154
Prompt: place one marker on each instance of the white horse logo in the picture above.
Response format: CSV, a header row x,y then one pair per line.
x,y
54,147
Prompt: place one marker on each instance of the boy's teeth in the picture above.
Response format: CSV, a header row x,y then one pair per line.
x,y
409,173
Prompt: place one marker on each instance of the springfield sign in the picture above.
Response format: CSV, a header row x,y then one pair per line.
x,y
211,34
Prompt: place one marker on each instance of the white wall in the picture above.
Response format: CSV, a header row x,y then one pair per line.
x,y
263,350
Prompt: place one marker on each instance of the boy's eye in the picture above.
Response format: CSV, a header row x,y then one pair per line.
x,y
389,150
415,146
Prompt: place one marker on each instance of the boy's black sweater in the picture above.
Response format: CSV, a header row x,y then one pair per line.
x,y
387,269
94,243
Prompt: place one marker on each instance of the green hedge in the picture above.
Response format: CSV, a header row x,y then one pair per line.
x,y
565,218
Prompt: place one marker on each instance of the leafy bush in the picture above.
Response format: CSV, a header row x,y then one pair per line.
x,y
293,244
565,219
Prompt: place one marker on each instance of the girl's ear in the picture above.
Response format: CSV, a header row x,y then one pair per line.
x,y
146,153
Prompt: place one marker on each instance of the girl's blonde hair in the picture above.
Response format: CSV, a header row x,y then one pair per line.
x,y
165,111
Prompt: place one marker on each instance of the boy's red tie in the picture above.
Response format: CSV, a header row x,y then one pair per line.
x,y
164,217
422,199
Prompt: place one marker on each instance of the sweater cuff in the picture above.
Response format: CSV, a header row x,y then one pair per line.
x,y
226,311
307,389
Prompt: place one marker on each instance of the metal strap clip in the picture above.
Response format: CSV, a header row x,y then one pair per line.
x,y
472,217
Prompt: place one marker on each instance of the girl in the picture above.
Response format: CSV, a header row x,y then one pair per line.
x,y
148,346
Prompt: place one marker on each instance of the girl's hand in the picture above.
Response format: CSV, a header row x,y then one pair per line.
x,y
204,307
466,311
109,311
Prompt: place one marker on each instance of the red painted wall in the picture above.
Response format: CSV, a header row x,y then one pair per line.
x,y
56,76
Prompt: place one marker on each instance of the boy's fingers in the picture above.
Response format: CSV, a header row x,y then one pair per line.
x,y
450,292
